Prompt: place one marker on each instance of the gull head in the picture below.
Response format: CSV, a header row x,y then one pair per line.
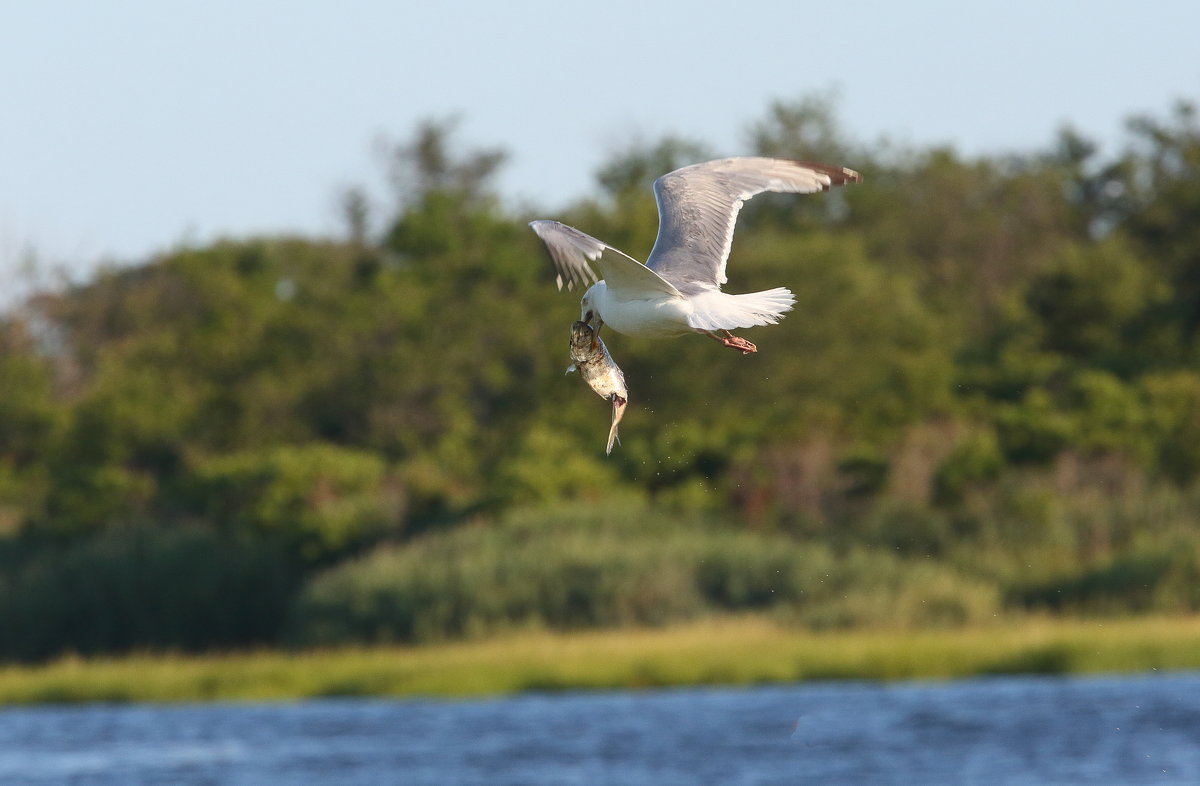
x,y
589,305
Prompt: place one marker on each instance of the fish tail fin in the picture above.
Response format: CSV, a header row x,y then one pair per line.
x,y
612,437
618,411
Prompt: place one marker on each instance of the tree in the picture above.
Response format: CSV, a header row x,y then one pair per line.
x,y
1162,178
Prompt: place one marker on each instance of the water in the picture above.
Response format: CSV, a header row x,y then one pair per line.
x,y
1005,730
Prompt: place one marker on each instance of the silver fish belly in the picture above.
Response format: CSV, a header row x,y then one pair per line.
x,y
600,372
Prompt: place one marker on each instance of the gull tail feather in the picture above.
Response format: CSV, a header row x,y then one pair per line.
x,y
722,311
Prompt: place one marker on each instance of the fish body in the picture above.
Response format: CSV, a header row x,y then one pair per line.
x,y
591,359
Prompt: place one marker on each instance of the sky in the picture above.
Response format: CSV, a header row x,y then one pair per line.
x,y
130,127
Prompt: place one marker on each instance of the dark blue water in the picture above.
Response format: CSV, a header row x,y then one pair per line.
x,y
1005,730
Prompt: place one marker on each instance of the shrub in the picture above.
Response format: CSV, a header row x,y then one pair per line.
x,y
625,565
877,590
481,578
1163,579
189,589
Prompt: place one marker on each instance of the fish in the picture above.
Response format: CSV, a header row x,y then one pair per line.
x,y
591,359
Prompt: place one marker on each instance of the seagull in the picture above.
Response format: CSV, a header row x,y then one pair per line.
x,y
678,290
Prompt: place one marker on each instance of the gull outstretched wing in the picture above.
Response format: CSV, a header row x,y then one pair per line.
x,y
574,252
698,206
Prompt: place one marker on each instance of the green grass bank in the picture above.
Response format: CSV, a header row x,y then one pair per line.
x,y
726,651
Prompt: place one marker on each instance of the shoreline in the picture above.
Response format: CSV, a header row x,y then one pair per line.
x,y
738,650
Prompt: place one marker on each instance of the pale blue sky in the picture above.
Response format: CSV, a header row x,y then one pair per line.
x,y
131,126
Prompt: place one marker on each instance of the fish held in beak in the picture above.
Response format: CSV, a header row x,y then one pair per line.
x,y
591,359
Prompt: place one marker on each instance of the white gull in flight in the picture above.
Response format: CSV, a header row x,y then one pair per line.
x,y
678,290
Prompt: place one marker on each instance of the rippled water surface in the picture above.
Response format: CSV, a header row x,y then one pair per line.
x,y
1001,730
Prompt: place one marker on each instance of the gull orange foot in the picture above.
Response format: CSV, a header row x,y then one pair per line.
x,y
739,343
734,342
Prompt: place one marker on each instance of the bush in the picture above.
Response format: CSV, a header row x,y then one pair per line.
x,y
188,589
878,590
1162,579
586,568
564,573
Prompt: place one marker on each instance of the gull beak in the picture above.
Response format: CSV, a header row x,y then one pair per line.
x,y
592,319
596,323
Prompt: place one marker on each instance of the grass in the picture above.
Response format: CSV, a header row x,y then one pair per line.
x,y
733,651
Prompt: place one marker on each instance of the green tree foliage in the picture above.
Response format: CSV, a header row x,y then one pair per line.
x,y
28,419
1091,304
1162,211
318,501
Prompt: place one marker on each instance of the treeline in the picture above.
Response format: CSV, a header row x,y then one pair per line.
x,y
986,401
